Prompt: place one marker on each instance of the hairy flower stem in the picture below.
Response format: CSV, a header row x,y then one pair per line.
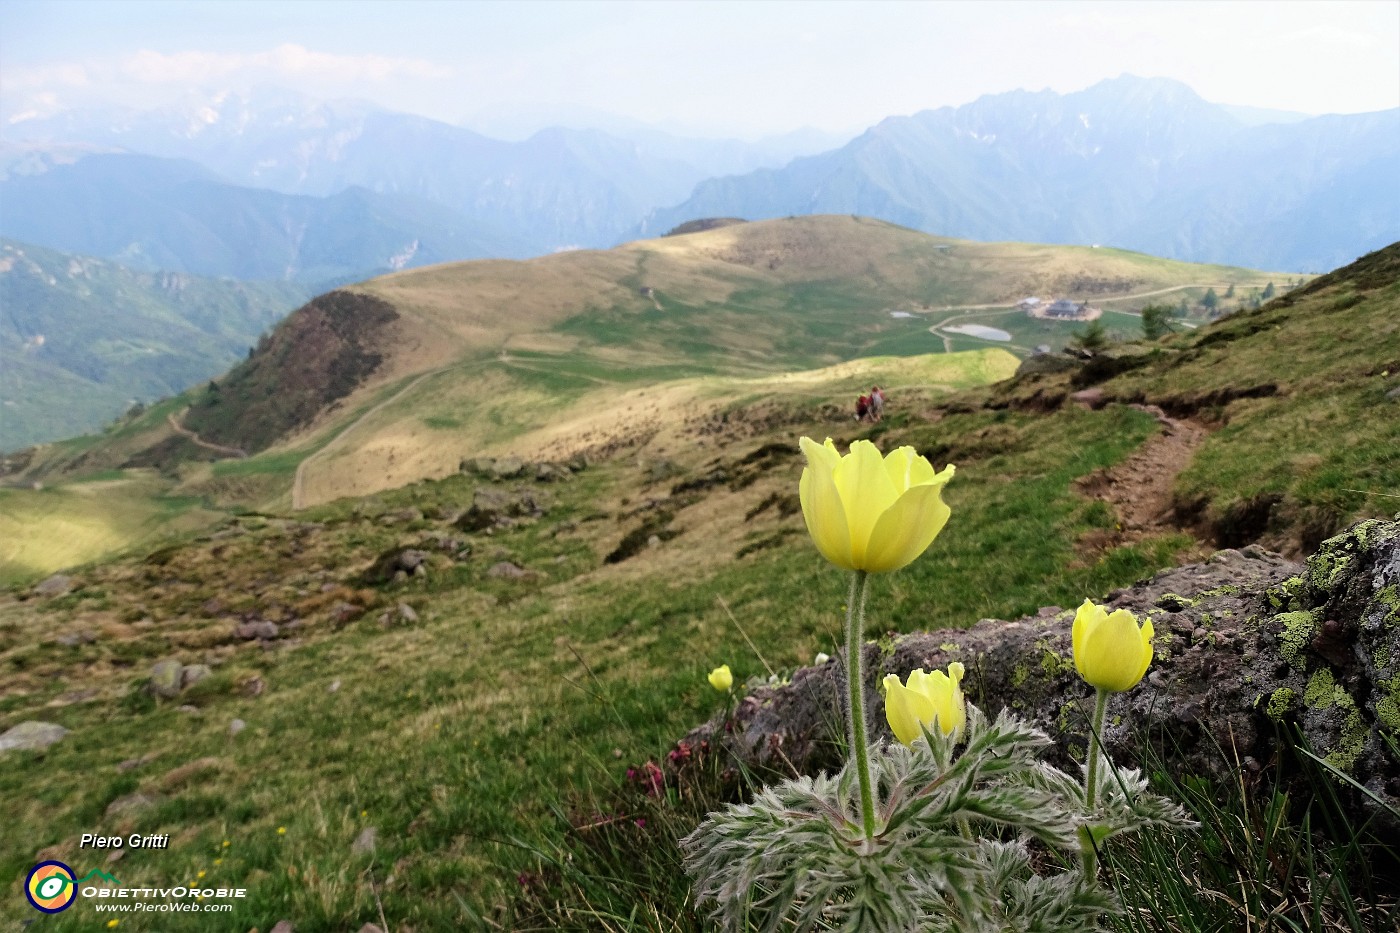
x,y
1091,786
855,694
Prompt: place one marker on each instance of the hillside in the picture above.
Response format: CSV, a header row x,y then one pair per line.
x,y
417,361
1141,164
82,340
173,215
481,716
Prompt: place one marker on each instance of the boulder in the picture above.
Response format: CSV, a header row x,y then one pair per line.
x,y
1248,646
56,585
492,507
166,678
192,674
507,468
260,629
394,561
31,735
507,571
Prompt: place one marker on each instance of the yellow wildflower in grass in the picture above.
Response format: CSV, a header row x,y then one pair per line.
x,y
925,700
112,923
281,830
868,512
1110,651
721,678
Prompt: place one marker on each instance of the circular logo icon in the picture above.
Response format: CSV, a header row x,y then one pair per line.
x,y
50,887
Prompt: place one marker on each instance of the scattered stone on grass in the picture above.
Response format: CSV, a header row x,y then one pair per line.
x,y
31,735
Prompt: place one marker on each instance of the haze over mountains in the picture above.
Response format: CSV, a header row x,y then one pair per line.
x,y
276,187
1138,163
1142,164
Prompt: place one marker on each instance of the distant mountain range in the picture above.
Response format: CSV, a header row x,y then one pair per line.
x,y
1142,164
153,214
274,185
561,187
81,339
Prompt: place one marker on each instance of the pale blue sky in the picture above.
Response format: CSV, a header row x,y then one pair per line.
x,y
746,68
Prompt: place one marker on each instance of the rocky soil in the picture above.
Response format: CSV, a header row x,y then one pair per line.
x,y
1251,650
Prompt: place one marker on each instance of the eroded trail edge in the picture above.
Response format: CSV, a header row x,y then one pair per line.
x,y
1139,489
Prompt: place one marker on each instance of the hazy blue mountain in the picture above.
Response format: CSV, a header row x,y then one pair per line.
x,y
151,213
1144,164
82,339
559,187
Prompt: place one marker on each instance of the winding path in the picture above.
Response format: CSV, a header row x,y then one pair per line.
x,y
299,482
177,425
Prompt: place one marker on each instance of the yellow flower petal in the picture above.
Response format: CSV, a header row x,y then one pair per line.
x,y
868,512
821,504
1110,651
906,710
934,700
721,678
908,527
866,492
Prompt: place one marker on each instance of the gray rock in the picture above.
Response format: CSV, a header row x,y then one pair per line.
x,y
261,629
236,726
370,928
192,674
403,516
56,585
1393,394
343,613
189,710
31,735
491,507
283,926
394,561
364,842
1093,398
507,468
74,639
334,686
507,571
165,678
406,613
552,473
1315,647
128,804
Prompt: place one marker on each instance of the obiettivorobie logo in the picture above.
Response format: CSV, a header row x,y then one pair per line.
x,y
51,886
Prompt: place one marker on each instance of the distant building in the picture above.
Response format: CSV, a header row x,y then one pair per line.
x,y
1063,307
1025,304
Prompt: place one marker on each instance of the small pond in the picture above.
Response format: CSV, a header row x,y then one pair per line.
x,y
978,330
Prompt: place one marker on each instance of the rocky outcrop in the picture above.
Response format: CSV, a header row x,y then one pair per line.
x,y
1251,650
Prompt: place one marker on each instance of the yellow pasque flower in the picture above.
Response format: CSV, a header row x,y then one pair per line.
x,y
721,678
926,699
868,512
1110,651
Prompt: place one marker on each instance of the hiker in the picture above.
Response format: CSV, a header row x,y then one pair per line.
x,y
862,407
877,404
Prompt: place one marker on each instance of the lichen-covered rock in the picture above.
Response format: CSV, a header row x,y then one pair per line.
x,y
31,735
1248,646
165,678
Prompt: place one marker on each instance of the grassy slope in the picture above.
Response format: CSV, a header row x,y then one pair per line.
x,y
111,335
1320,446
506,340
457,736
